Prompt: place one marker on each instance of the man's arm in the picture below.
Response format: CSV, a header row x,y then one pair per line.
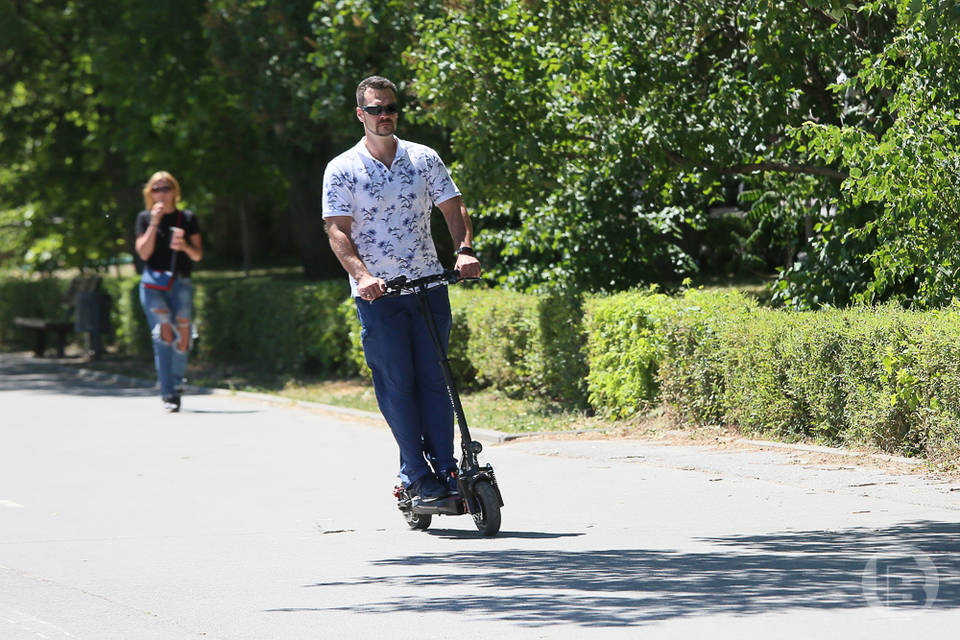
x,y
338,230
461,230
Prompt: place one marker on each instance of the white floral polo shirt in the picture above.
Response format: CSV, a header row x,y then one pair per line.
x,y
390,207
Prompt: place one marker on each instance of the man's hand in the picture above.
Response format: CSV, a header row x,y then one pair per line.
x,y
370,288
468,266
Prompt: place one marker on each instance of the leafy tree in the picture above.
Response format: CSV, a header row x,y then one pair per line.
x,y
294,67
95,96
596,135
910,166
244,100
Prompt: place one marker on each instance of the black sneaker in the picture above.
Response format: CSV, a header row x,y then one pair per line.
x,y
449,480
171,404
427,488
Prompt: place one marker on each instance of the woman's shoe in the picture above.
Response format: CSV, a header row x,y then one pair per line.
x,y
171,403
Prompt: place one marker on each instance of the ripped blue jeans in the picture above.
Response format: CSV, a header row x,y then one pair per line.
x,y
169,316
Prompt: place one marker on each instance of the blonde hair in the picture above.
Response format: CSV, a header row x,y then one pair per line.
x,y
155,178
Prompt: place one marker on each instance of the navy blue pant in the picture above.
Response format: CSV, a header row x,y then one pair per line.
x,y
408,381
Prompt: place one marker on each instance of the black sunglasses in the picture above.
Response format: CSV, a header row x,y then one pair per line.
x,y
164,189
377,109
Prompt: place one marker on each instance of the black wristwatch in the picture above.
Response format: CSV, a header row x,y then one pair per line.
x,y
466,251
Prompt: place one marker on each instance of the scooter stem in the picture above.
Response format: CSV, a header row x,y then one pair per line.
x,y
465,441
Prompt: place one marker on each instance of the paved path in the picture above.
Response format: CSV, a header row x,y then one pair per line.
x,y
244,519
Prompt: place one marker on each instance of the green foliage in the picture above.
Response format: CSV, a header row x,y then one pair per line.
x,y
645,347
525,345
691,374
83,112
519,344
880,376
564,342
31,298
280,325
610,129
505,335
461,365
347,315
835,269
908,164
779,376
130,332
243,100
883,376
624,349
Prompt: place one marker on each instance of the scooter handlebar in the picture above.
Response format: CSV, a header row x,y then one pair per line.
x,y
396,286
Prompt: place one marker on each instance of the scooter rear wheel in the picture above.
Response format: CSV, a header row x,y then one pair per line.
x,y
417,520
486,514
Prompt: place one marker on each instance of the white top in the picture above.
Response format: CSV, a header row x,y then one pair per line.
x,y
390,207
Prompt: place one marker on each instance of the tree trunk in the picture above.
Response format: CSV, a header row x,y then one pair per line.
x,y
245,238
306,187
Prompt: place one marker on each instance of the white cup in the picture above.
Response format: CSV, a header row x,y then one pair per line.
x,y
175,232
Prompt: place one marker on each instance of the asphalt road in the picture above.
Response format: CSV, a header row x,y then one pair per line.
x,y
241,518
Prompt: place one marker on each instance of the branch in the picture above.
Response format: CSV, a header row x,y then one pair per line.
x,y
829,19
758,167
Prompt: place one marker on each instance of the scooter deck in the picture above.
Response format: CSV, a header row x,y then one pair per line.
x,y
449,506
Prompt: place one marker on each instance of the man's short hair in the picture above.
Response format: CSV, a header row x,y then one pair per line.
x,y
374,82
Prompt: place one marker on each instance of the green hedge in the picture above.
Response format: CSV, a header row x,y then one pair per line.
x,y
692,374
277,324
127,322
643,346
32,298
526,345
883,376
879,376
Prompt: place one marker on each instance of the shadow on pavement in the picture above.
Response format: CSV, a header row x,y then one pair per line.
x,y
903,570
18,373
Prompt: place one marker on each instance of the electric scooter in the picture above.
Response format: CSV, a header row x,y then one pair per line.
x,y
479,493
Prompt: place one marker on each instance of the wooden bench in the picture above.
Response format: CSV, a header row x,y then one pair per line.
x,y
64,325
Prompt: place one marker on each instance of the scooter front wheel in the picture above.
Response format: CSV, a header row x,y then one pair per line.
x,y
417,520
486,514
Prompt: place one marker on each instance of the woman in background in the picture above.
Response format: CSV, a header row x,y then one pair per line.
x,y
168,239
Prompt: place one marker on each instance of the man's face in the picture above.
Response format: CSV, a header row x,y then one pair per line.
x,y
384,124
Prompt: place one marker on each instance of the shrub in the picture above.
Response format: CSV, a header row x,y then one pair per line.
x,y
625,345
880,376
128,323
279,324
691,374
20,297
645,347
526,345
